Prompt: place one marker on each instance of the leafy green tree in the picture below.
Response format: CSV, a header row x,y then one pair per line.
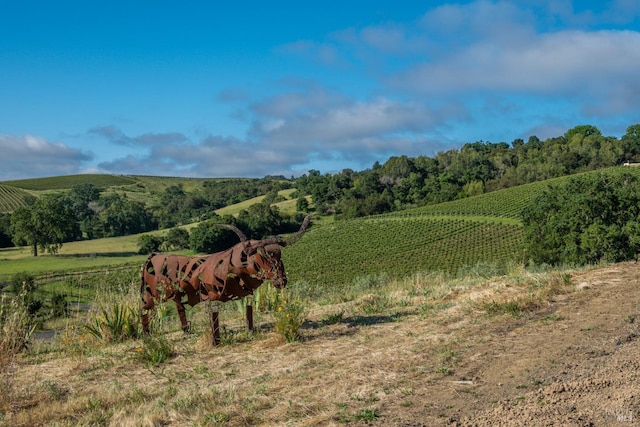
x,y
85,193
302,204
581,131
123,217
83,197
260,220
177,238
45,225
5,231
586,220
630,142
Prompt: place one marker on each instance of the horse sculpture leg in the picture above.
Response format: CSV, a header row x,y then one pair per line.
x,y
215,324
181,313
249,313
144,318
147,304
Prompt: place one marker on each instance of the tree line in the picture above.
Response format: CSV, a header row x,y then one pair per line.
x,y
85,213
473,169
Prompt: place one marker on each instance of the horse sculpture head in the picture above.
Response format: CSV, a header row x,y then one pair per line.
x,y
266,254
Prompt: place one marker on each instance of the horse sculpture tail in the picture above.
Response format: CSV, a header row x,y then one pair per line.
x,y
144,316
142,270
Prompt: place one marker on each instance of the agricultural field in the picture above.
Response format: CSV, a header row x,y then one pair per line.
x,y
344,251
12,198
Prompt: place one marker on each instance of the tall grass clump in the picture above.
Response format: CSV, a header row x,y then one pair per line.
x,y
539,290
265,299
114,322
16,328
24,287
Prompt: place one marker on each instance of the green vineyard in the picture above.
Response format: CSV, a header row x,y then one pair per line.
x,y
12,198
400,246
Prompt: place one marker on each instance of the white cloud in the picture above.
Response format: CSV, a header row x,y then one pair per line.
x,y
570,62
211,157
342,120
115,135
29,156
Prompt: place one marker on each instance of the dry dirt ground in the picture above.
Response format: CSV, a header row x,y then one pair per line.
x,y
581,369
572,362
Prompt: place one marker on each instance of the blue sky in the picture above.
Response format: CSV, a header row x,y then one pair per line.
x,y
248,89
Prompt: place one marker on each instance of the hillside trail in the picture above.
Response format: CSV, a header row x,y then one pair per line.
x,y
576,364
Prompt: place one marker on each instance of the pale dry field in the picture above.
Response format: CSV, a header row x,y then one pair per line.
x,y
524,349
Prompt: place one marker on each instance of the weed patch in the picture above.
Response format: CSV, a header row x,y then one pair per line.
x,y
155,349
289,317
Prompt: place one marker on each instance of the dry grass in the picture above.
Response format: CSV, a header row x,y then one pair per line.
x,y
371,357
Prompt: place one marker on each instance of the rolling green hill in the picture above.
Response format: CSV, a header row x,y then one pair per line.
x,y
447,237
145,189
339,253
141,188
66,182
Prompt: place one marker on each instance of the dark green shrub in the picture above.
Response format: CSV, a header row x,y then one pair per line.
x,y
148,243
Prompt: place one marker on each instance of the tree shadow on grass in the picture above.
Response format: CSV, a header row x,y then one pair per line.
x,y
356,320
99,255
349,324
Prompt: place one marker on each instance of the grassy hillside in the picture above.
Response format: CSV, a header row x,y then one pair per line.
x,y
146,189
446,237
66,182
140,188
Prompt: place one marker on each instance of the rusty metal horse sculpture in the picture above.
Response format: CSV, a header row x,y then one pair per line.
x,y
223,276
